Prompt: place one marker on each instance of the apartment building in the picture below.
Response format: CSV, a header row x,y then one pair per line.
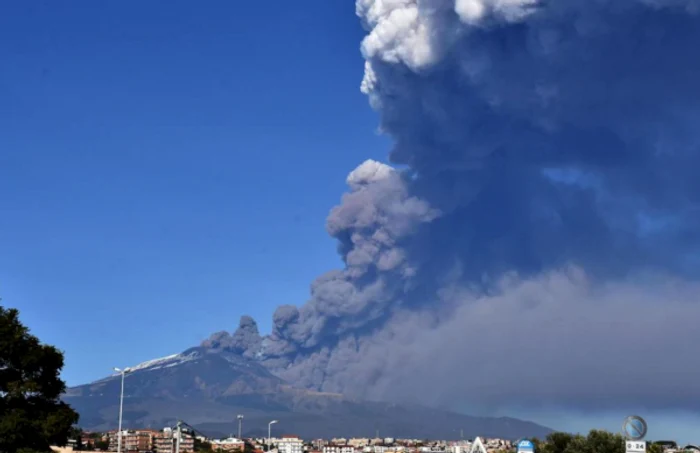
x,y
290,444
113,436
133,440
318,445
358,442
136,441
164,442
334,448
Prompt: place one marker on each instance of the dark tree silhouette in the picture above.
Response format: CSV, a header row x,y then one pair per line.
x,y
32,417
596,441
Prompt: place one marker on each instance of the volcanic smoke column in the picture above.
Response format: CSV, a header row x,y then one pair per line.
x,y
548,155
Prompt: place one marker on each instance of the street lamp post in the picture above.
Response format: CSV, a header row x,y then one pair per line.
x,y
240,423
269,434
179,437
121,408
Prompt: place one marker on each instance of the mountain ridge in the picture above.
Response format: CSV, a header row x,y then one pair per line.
x,y
209,387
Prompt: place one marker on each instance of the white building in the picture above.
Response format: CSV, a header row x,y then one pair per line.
x,y
358,442
331,448
290,444
230,444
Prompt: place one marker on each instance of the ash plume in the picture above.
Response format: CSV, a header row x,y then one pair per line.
x,y
246,340
546,218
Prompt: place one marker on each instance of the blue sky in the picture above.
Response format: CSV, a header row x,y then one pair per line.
x,y
165,170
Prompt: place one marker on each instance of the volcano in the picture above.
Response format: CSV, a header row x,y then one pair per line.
x,y
207,387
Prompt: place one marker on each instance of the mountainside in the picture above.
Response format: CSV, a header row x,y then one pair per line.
x,y
207,387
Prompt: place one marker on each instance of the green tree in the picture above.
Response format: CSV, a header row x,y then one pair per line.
x,y
102,445
76,434
557,442
578,444
596,442
32,416
606,442
540,446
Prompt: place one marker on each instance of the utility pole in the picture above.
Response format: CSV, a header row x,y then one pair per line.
x,y
177,439
269,434
121,407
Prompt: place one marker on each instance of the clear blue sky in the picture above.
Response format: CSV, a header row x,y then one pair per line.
x,y
164,170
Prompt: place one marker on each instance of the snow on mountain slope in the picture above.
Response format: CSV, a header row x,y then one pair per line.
x,y
160,363
167,361
156,363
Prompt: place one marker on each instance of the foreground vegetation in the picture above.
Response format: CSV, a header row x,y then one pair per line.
x,y
595,442
32,417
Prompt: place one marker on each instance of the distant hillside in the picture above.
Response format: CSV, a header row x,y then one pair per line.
x,y
207,388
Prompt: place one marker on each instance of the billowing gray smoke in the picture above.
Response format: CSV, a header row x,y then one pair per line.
x,y
541,244
246,339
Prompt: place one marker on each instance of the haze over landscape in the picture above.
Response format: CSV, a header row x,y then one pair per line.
x,y
520,239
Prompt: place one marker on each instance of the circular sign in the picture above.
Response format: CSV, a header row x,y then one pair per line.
x,y
634,427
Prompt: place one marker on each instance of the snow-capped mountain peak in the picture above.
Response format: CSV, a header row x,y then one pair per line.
x,y
165,362
156,363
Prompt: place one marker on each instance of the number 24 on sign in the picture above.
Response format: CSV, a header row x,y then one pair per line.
x,y
636,447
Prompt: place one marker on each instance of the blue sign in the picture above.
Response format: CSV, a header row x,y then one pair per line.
x,y
526,446
635,428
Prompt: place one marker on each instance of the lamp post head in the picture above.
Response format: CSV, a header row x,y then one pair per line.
x,y
273,422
